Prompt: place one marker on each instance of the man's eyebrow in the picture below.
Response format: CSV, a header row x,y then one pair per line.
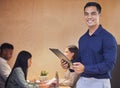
x,y
93,12
85,12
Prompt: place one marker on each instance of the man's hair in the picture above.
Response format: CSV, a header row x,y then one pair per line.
x,y
6,46
93,4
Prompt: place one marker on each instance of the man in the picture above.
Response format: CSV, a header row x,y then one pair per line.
x,y
6,51
97,52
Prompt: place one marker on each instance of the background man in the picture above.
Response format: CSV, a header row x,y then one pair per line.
x,y
6,51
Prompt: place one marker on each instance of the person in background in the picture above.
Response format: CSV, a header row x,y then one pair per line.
x,y
97,52
70,78
6,51
18,75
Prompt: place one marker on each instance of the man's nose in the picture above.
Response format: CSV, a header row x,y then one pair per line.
x,y
89,16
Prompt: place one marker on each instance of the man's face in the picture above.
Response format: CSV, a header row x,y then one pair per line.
x,y
7,53
91,16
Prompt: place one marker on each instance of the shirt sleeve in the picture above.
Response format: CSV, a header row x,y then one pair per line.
x,y
5,71
70,79
109,57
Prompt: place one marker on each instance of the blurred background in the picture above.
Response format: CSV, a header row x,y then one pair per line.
x,y
37,25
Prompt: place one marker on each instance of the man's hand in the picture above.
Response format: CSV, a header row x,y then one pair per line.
x,y
64,64
78,67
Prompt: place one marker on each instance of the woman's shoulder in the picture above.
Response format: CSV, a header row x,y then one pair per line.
x,y
17,70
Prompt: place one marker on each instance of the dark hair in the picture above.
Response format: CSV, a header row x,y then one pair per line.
x,y
73,49
6,46
22,62
93,4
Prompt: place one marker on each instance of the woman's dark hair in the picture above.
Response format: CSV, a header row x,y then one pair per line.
x,y
73,49
93,4
22,62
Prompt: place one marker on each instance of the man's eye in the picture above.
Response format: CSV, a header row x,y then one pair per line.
x,y
86,14
94,13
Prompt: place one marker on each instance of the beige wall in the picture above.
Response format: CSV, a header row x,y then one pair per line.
x,y
36,25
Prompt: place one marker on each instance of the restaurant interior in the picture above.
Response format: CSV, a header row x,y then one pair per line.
x,y
37,25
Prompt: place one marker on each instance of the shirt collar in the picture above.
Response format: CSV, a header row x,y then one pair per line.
x,y
97,31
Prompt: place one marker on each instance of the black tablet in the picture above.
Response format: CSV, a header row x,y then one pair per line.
x,y
60,55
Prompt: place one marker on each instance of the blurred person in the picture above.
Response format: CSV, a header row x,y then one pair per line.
x,y
18,75
70,77
6,51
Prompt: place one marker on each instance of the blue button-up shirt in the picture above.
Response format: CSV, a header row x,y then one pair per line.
x,y
97,53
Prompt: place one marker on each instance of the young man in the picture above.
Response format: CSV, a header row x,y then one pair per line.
x,y
97,52
6,51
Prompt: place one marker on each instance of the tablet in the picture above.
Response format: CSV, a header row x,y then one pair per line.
x,y
60,55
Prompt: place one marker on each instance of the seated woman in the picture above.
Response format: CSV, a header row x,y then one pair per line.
x,y
18,75
70,77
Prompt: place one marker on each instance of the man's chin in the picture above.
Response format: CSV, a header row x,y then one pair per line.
x,y
92,24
